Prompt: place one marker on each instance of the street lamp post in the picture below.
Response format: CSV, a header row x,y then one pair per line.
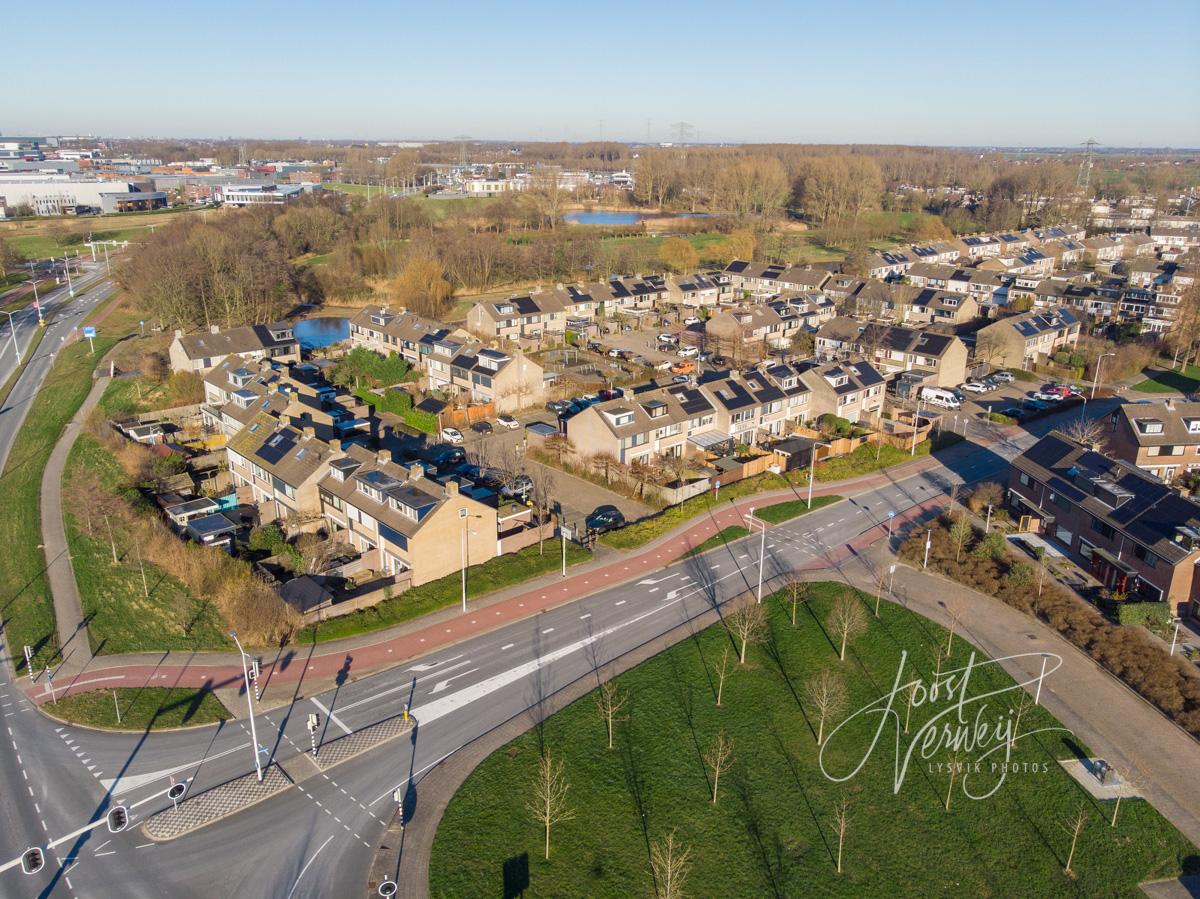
x,y
928,544
762,547
462,513
812,474
915,425
1096,379
250,706
1175,636
67,266
12,333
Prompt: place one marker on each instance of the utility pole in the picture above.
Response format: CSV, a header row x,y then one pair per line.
x,y
250,706
1084,178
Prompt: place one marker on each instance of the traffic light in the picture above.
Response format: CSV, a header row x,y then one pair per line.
x,y
118,819
32,860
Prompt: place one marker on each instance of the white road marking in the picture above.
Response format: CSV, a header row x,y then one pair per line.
x,y
620,602
443,684
330,715
306,865
429,666
585,617
507,646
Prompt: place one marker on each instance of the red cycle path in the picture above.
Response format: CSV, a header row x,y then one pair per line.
x,y
322,662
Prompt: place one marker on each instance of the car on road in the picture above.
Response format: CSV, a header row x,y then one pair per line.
x,y
507,422
1004,377
976,387
605,518
688,352
482,427
453,436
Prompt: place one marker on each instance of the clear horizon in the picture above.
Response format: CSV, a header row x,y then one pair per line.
x,y
778,73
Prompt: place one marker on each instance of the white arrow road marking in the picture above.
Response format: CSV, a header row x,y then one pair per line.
x,y
332,717
429,666
133,781
651,580
443,684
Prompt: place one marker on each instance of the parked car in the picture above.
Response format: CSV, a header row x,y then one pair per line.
x,y
482,427
683,367
691,320
605,518
508,422
1004,377
1061,390
615,353
976,387
517,486
680,379
1036,405
1045,396
704,356
448,456
663,366
452,436
1013,412
558,407
688,352
668,338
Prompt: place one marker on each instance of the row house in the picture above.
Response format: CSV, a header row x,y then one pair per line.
x,y
939,277
1059,232
1162,439
748,333
1019,341
942,307
851,390
883,300
529,318
759,279
276,466
889,264
405,523
978,246
510,381
1031,260
200,352
636,295
940,358
1064,252
1104,248
942,251
235,391
807,310
698,289
840,288
387,331
1166,237
1130,531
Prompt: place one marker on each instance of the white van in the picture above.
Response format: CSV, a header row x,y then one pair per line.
x,y
939,396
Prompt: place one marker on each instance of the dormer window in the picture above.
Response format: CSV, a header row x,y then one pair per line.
x,y
505,309
1193,425
367,489
1150,425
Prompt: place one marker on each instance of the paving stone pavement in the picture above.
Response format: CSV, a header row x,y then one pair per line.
x,y
213,805
345,748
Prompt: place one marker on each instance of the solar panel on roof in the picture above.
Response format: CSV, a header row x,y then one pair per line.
x,y
277,447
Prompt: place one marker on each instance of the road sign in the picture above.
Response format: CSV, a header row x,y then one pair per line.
x,y
118,819
388,888
314,721
177,791
32,860
89,331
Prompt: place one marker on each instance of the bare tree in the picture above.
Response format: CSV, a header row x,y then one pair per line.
x,y
541,494
955,764
1089,432
796,591
670,863
560,446
722,671
1024,704
846,620
841,823
960,533
939,658
954,610
827,693
643,471
748,623
548,796
607,464
718,758
1075,827
610,699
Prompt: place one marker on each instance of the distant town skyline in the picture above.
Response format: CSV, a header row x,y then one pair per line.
x,y
942,74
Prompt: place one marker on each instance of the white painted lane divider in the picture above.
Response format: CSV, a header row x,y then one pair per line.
x,y
334,719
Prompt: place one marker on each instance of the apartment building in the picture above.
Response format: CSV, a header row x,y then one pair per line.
x,y
1133,533
408,525
201,351
942,358
277,466
1020,341
528,318
1162,439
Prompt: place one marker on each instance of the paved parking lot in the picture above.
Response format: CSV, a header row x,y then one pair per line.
x,y
644,343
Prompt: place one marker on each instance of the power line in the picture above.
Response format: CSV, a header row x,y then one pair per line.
x,y
1084,178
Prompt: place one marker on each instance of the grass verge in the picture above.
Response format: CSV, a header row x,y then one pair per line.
x,y
722,537
1187,380
495,574
793,508
772,829
142,708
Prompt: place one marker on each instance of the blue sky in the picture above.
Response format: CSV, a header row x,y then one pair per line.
x,y
1015,73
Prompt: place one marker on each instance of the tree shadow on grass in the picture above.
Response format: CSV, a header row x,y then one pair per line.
x,y
768,848
794,769
635,780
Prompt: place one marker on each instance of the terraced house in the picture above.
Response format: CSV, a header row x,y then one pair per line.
x,y
277,466
527,318
892,350
1162,439
1130,531
511,381
1020,341
406,524
387,331
851,390
201,351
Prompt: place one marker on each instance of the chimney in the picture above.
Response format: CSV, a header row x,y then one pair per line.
x,y
178,332
309,429
1170,403
214,329
382,457
416,471
451,489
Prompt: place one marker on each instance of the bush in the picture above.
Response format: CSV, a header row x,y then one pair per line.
x,y
835,425
1148,614
361,367
267,538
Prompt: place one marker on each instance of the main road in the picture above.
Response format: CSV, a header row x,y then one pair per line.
x,y
317,837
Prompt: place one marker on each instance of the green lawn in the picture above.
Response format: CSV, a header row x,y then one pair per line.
x,y
123,618
1186,380
496,574
142,708
794,508
771,831
24,593
863,461
722,537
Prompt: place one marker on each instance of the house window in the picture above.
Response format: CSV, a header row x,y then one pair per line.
x,y
1024,478
1147,557
1063,535
1104,530
1058,501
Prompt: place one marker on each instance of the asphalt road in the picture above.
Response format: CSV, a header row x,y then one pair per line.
x,y
64,314
316,839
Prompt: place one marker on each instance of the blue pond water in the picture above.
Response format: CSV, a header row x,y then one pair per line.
x,y
319,332
603,218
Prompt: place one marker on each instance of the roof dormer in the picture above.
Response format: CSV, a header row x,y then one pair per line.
x,y
1149,425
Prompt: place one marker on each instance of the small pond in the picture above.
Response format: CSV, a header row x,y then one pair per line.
x,y
621,218
318,332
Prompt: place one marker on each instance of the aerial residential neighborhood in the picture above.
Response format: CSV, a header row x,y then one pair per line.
x,y
550,476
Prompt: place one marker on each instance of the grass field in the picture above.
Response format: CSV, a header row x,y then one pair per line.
x,y
141,708
725,535
1186,380
122,617
496,574
772,830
